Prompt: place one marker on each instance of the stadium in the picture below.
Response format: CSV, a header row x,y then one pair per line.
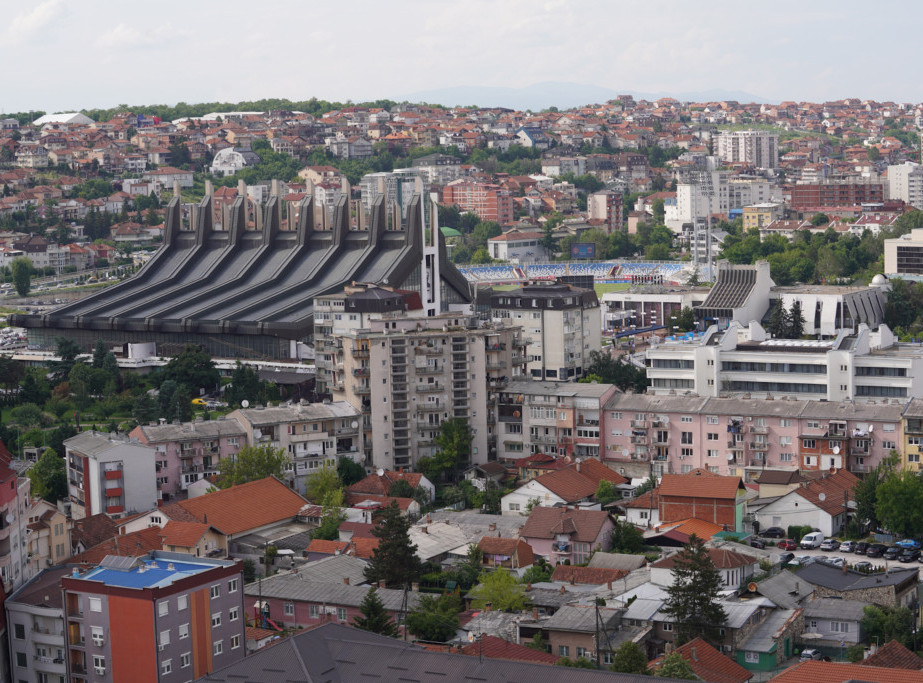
x,y
240,280
602,272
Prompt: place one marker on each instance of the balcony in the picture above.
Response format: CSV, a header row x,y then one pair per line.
x,y
639,424
661,441
361,390
498,365
189,452
854,450
429,388
759,430
111,475
518,359
639,440
736,445
429,370
759,446
430,407
361,372
360,352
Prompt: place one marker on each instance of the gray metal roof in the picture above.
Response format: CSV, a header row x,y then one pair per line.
x,y
579,618
475,525
616,561
562,389
761,640
786,589
825,575
834,608
297,412
292,587
334,569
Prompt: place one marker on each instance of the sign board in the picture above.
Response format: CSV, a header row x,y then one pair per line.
x,y
583,250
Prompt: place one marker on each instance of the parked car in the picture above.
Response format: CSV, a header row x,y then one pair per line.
x,y
876,550
848,547
830,544
811,653
812,540
864,567
773,532
757,543
892,553
787,544
909,555
198,402
862,547
802,560
836,561
785,558
908,544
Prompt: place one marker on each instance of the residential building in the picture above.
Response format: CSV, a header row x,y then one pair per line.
x,y
311,434
49,540
904,255
109,473
606,206
815,197
380,483
559,534
760,215
752,147
703,495
836,672
519,247
905,182
574,631
894,588
575,484
834,623
509,553
158,617
822,504
735,568
561,325
911,446
489,202
648,306
440,169
230,160
556,418
707,663
189,451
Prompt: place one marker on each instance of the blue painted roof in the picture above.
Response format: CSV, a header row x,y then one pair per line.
x,y
150,577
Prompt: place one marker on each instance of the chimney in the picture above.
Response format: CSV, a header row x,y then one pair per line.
x,y
563,590
609,585
429,519
694,653
415,586
381,584
492,526
528,587
535,614
424,529
346,580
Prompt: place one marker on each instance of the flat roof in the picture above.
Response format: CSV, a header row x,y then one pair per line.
x,y
147,573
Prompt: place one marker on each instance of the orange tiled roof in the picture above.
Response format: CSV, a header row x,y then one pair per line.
x,y
837,672
709,664
722,559
497,648
319,545
893,655
135,544
591,575
699,527
245,506
543,522
699,484
183,534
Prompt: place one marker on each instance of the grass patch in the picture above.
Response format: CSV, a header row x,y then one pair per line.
x,y
604,287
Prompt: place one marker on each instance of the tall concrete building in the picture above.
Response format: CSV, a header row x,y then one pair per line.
x,y
561,324
905,182
755,147
606,206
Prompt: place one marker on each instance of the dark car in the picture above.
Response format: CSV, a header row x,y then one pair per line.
x,y
773,532
757,543
862,547
893,552
909,555
785,558
876,550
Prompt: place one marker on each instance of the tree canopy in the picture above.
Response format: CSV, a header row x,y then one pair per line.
x,y
692,598
252,463
395,559
373,615
194,368
500,590
49,477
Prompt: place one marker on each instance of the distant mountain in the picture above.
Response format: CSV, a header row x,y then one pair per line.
x,y
554,94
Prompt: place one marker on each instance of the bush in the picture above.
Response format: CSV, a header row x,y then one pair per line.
x,y
796,532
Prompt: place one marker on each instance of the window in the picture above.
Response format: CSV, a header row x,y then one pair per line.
x,y
312,611
166,666
711,419
686,437
685,452
21,659
787,457
165,637
183,631
839,626
19,632
218,647
97,633
712,453
814,624
288,609
785,441
751,657
215,591
887,428
182,602
235,642
667,626
99,663
608,658
216,619
163,608
686,418
581,652
813,424
232,586
809,443
341,613
514,507
96,604
563,650
785,423
233,614
185,660
888,445
712,436
615,416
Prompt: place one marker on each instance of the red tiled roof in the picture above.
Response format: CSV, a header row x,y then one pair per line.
x,y
493,647
381,484
362,547
93,530
722,559
700,484
183,534
827,492
358,529
643,501
135,544
354,499
699,527
542,522
592,575
836,672
568,484
893,655
709,664
245,506
319,545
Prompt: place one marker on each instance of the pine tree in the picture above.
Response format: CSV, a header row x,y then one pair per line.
x,y
692,599
374,616
778,321
629,658
395,559
795,321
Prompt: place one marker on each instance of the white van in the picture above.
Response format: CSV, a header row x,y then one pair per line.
x,y
812,540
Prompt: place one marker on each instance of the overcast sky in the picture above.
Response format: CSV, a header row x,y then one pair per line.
x,y
60,55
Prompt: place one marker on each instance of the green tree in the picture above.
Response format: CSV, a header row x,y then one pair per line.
x,y
349,471
795,321
606,492
886,623
374,617
578,663
395,559
194,368
22,274
865,492
49,477
245,385
99,353
674,666
453,448
28,415
899,503
692,599
250,464
778,325
685,321
625,537
629,658
321,483
819,219
34,388
11,373
67,351
501,590
401,489
539,572
331,517
434,619
617,371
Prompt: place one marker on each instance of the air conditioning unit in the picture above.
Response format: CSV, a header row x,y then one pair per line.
x,y
749,419
100,670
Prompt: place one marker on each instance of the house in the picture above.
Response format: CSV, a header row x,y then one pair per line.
x,y
493,647
192,538
700,494
49,540
132,544
822,504
896,587
573,630
829,622
813,671
707,663
91,531
381,481
576,483
561,534
510,553
642,511
893,655
735,568
596,576
775,482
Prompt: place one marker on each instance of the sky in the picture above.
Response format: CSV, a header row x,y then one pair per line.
x,y
61,55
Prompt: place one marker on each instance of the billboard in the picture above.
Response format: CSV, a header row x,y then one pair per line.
x,y
583,250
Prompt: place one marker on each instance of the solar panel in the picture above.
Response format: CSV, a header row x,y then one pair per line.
x,y
117,562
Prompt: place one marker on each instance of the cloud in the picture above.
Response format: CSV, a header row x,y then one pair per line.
x,y
125,37
30,22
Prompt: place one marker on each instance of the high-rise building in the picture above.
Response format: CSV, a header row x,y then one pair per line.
x,y
160,617
905,182
755,147
606,206
489,202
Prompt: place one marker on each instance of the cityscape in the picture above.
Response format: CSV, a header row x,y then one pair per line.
x,y
377,359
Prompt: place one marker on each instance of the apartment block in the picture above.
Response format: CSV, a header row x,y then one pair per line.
x,y
743,437
912,434
188,452
15,492
905,182
817,196
160,617
489,202
904,255
754,147
606,206
561,324
550,417
35,627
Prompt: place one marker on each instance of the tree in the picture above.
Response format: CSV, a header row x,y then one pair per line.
x,y
674,666
349,471
819,219
67,351
401,489
629,658
538,573
245,384
692,599
500,590
453,447
616,371
49,477
331,517
321,483
778,325
194,368
885,623
374,617
99,353
435,619
625,537
685,321
22,274
395,559
250,464
865,492
11,373
899,503
605,492
795,321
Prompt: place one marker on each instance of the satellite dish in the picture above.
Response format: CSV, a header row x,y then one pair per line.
x,y
355,424
752,587
871,428
245,403
836,450
470,637
822,496
625,453
9,518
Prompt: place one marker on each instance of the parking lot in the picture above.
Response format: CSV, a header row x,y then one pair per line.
x,y
878,563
